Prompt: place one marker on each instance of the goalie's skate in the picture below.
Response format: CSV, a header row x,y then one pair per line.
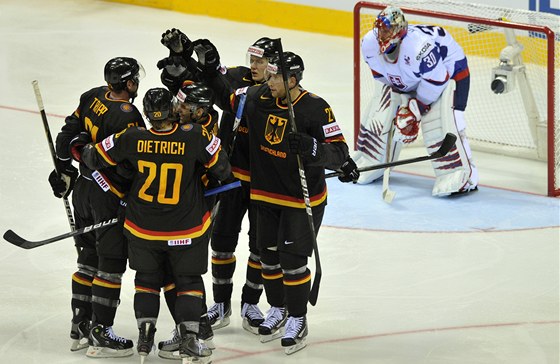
x,y
104,343
273,326
169,349
252,318
79,334
296,333
219,314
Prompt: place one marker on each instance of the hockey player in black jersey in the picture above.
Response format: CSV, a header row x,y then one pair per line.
x,y
167,218
283,233
235,204
98,196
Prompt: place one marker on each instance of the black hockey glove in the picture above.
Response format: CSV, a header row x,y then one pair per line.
x,y
177,42
350,171
77,145
174,72
208,57
306,146
63,185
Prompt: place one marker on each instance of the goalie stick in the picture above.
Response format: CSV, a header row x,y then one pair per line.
x,y
446,145
41,106
387,193
314,293
11,237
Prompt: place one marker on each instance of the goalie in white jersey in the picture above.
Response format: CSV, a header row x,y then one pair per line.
x,y
426,85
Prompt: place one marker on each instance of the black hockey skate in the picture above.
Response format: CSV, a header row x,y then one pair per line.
x,y
104,343
191,349
252,317
219,314
273,326
169,349
79,334
296,334
147,331
205,332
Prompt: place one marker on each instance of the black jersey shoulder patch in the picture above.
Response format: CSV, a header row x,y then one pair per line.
x,y
126,107
186,127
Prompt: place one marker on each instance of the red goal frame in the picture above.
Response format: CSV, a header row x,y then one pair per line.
x,y
550,38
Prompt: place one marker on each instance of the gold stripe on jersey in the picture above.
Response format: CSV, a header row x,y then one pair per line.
x,y
214,159
241,174
104,154
112,187
146,234
288,201
254,265
282,106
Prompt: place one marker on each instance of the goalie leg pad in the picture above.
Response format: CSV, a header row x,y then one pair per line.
x,y
455,171
374,134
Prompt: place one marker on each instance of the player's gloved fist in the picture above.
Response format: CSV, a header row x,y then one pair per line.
x,y
172,61
177,42
305,145
77,145
62,185
349,170
208,56
407,122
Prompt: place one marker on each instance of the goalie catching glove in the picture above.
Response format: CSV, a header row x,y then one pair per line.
x,y
62,185
407,121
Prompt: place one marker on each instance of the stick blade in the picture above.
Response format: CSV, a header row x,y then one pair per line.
x,y
446,145
314,293
11,237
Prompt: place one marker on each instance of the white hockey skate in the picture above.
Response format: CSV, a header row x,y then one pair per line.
x,y
273,326
296,333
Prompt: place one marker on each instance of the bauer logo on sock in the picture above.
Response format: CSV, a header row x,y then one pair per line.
x,y
179,242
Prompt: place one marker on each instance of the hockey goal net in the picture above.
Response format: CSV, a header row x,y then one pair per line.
x,y
523,121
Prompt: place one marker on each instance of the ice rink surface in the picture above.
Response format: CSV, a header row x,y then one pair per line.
x,y
470,280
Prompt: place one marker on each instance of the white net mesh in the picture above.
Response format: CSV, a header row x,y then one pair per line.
x,y
508,123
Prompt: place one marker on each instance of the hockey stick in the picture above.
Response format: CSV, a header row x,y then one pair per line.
x,y
236,122
446,145
11,237
387,193
67,207
314,293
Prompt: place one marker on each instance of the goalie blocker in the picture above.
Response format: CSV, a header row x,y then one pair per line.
x,y
455,172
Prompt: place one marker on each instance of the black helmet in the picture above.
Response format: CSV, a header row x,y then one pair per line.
x,y
121,69
196,93
293,62
264,47
158,104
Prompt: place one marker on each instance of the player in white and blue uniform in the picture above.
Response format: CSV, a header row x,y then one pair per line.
x,y
428,76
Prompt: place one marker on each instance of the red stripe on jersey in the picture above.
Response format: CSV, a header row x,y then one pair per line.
x,y
461,74
241,174
104,154
283,200
147,234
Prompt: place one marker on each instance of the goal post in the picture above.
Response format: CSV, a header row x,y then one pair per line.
x,y
521,121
